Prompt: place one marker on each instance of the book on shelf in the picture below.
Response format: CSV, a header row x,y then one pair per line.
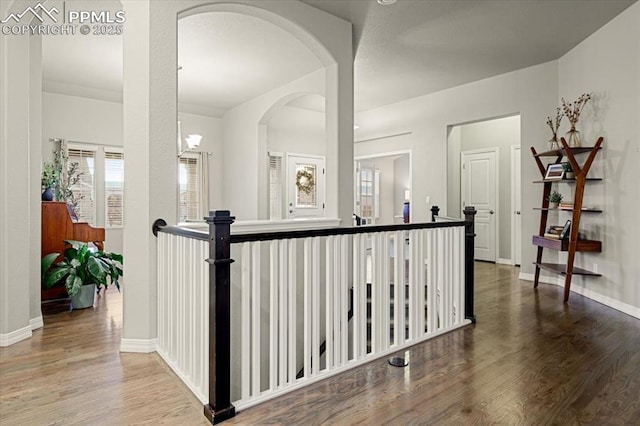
x,y
551,236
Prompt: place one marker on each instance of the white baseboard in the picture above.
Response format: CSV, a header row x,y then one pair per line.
x,y
504,261
16,336
36,322
597,297
138,345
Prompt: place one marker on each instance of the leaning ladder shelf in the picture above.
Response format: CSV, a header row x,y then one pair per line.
x,y
573,244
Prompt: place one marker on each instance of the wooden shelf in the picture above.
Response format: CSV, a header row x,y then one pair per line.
x,y
563,151
563,245
572,244
560,268
583,210
566,180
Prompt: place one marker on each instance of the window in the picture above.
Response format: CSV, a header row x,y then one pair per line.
x,y
275,186
84,189
114,187
189,188
99,190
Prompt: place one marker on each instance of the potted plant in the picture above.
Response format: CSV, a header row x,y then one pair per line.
x,y
568,171
59,177
554,199
81,271
50,181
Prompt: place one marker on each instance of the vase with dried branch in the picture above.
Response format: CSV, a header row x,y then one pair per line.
x,y
554,126
572,111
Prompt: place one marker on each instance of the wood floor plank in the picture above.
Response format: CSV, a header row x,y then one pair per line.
x,y
530,360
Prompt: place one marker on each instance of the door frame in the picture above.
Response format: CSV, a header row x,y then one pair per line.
x,y
322,195
379,155
496,151
515,169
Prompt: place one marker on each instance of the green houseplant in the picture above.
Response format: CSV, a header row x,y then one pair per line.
x,y
49,181
81,271
554,199
59,177
568,171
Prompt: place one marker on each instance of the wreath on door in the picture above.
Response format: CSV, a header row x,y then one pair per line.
x,y
305,181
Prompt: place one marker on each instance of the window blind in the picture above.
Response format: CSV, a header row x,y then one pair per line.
x,y
84,189
275,187
114,188
188,189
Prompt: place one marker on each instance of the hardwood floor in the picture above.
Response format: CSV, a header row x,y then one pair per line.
x,y
530,359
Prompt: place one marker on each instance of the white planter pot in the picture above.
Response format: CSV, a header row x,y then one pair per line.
x,y
85,297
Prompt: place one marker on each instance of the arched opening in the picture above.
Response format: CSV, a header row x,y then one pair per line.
x,y
236,63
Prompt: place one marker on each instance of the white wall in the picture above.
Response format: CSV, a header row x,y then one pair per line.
x,y
401,181
386,190
531,92
20,160
245,153
297,131
607,64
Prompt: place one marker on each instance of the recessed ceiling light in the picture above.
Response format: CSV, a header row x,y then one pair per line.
x,y
386,2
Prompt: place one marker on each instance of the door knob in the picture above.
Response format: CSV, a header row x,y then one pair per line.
x,y
517,211
490,211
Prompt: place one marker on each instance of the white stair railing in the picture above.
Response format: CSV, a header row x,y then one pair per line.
x,y
292,308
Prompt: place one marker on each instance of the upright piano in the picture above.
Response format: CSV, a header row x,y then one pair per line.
x,y
60,223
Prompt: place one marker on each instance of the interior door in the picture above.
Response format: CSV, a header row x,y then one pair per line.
x,y
516,223
305,186
478,181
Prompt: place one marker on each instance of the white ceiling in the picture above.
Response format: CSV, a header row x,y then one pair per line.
x,y
416,47
229,58
408,49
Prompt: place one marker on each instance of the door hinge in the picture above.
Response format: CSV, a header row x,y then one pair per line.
x,y
323,170
323,205
464,166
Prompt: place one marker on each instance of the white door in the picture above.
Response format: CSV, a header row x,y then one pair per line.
x,y
305,186
516,223
478,181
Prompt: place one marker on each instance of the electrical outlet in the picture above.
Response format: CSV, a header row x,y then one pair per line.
x,y
428,199
595,268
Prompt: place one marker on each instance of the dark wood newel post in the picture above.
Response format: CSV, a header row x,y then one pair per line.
x,y
469,218
219,407
435,210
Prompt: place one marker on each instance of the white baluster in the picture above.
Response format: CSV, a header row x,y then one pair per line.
x,y
329,278
282,332
245,320
315,295
273,315
256,319
307,297
292,311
